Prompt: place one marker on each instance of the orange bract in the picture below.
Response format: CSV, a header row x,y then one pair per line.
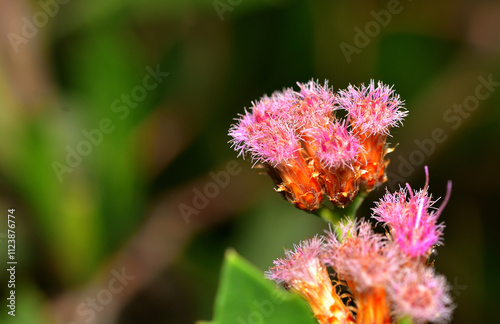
x,y
372,160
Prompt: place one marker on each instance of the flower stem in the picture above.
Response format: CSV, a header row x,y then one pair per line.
x,y
405,320
329,215
350,211
333,214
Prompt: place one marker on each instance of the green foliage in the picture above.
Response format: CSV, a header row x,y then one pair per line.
x,y
245,296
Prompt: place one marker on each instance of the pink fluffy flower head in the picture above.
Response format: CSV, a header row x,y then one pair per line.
x,y
272,141
271,137
360,256
366,261
372,109
300,264
277,106
318,103
422,295
266,133
314,93
304,272
412,222
335,146
335,150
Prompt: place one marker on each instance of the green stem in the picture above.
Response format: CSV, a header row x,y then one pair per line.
x,y
328,215
350,211
405,320
333,214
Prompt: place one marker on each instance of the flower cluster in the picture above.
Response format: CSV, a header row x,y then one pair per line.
x,y
388,276
309,152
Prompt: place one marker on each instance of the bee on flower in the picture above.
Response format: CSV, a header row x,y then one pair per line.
x,y
304,271
383,274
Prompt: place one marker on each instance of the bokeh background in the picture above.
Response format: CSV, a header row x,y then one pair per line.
x,y
66,67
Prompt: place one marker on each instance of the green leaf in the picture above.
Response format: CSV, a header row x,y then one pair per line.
x,y
245,296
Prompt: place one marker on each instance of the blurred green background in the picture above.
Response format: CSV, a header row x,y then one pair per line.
x,y
71,68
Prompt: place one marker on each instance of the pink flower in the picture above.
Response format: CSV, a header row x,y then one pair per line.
x,y
373,110
272,141
272,135
276,143
316,95
361,256
335,149
278,106
318,103
304,272
367,262
422,295
334,145
301,264
412,222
